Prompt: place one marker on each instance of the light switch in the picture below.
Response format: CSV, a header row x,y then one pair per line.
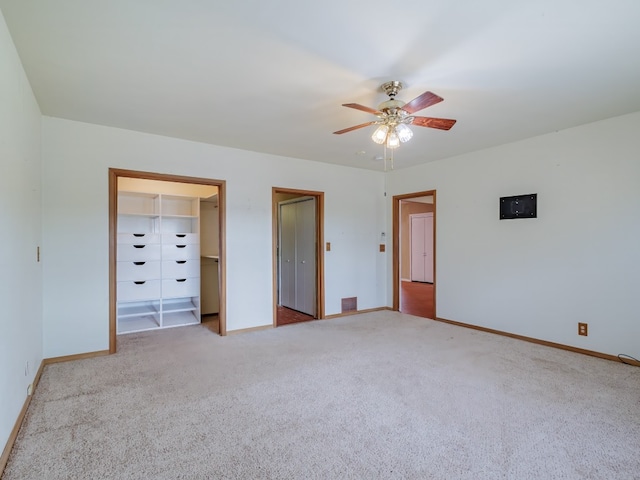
x,y
328,246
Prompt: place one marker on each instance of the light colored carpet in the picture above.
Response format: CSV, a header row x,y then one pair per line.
x,y
374,396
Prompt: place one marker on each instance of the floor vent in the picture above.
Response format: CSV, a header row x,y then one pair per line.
x,y
350,304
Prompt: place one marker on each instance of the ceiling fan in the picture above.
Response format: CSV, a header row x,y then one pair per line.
x,y
394,116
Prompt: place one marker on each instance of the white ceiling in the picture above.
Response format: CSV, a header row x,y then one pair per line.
x,y
270,76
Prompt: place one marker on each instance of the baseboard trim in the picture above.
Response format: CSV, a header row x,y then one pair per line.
x,y
537,341
4,459
78,356
250,329
357,312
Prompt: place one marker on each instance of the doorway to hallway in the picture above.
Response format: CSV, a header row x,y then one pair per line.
x,y
416,298
414,253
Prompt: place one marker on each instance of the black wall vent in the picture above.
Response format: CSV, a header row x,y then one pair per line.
x,y
519,206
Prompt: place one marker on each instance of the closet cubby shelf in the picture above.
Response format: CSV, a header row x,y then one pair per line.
x,y
179,216
181,306
136,310
135,214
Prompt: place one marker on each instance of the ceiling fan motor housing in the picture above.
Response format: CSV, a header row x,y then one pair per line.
x,y
391,106
392,88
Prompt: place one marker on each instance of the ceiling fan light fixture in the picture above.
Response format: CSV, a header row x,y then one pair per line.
x,y
404,132
393,141
394,116
380,135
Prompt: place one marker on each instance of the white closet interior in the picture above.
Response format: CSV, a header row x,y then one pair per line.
x,y
158,254
209,255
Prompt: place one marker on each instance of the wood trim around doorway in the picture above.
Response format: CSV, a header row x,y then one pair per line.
x,y
396,244
319,196
114,174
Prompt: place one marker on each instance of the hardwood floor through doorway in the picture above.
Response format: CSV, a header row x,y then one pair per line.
x,y
287,316
416,298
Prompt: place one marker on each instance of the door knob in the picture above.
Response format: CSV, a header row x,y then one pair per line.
x,y
303,261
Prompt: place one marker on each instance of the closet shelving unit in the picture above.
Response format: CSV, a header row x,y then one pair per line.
x,y
158,261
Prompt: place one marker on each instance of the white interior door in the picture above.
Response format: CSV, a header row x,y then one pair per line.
x,y
297,265
421,226
287,254
305,256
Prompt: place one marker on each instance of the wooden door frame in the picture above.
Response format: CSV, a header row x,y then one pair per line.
x,y
396,245
319,197
114,174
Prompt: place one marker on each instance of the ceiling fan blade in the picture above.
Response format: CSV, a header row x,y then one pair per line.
x,y
423,101
354,128
441,123
357,106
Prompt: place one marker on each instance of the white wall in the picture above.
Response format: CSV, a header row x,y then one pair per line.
x,y
20,278
76,158
579,261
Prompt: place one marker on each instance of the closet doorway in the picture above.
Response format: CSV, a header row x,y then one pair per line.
x,y
414,253
170,216
298,281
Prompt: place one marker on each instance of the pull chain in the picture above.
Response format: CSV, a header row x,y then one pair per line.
x,y
385,156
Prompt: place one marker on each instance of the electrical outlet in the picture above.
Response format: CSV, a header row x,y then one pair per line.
x,y
583,329
30,389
